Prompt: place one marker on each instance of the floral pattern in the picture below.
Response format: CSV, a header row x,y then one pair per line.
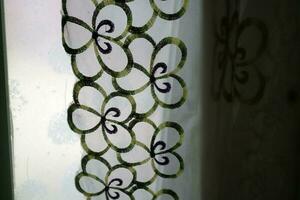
x,y
102,181
107,118
159,153
110,119
158,77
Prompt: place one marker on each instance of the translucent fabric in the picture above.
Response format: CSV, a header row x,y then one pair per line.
x,y
131,103
131,122
154,99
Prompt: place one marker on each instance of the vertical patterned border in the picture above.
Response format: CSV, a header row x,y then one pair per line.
x,y
111,120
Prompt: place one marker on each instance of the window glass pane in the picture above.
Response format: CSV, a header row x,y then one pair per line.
x,y
46,153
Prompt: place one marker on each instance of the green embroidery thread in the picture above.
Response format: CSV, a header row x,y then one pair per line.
x,y
159,153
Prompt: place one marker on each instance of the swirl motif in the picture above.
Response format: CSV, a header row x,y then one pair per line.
x,y
107,119
160,155
158,73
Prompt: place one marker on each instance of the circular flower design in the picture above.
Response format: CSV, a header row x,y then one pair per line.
x,y
234,71
111,119
97,39
99,178
161,80
159,153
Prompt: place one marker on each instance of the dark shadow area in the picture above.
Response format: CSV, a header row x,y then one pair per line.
x,y
251,108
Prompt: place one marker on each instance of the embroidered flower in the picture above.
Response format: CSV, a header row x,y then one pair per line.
x,y
94,41
166,88
100,179
152,150
108,123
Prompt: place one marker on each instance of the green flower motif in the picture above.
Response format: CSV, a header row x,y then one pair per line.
x,y
99,42
159,154
159,78
99,36
109,122
100,179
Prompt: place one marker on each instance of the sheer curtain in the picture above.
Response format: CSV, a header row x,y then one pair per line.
x,y
136,62
154,99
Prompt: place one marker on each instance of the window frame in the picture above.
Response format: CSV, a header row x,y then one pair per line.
x,y
6,180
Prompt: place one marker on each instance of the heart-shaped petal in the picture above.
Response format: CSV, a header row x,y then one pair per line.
x,y
83,115
170,91
146,104
96,166
143,16
162,8
138,155
168,165
145,173
144,130
89,94
167,138
94,143
146,193
89,185
133,83
77,35
81,9
86,66
141,47
167,48
90,182
82,119
118,136
143,193
108,49
166,194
